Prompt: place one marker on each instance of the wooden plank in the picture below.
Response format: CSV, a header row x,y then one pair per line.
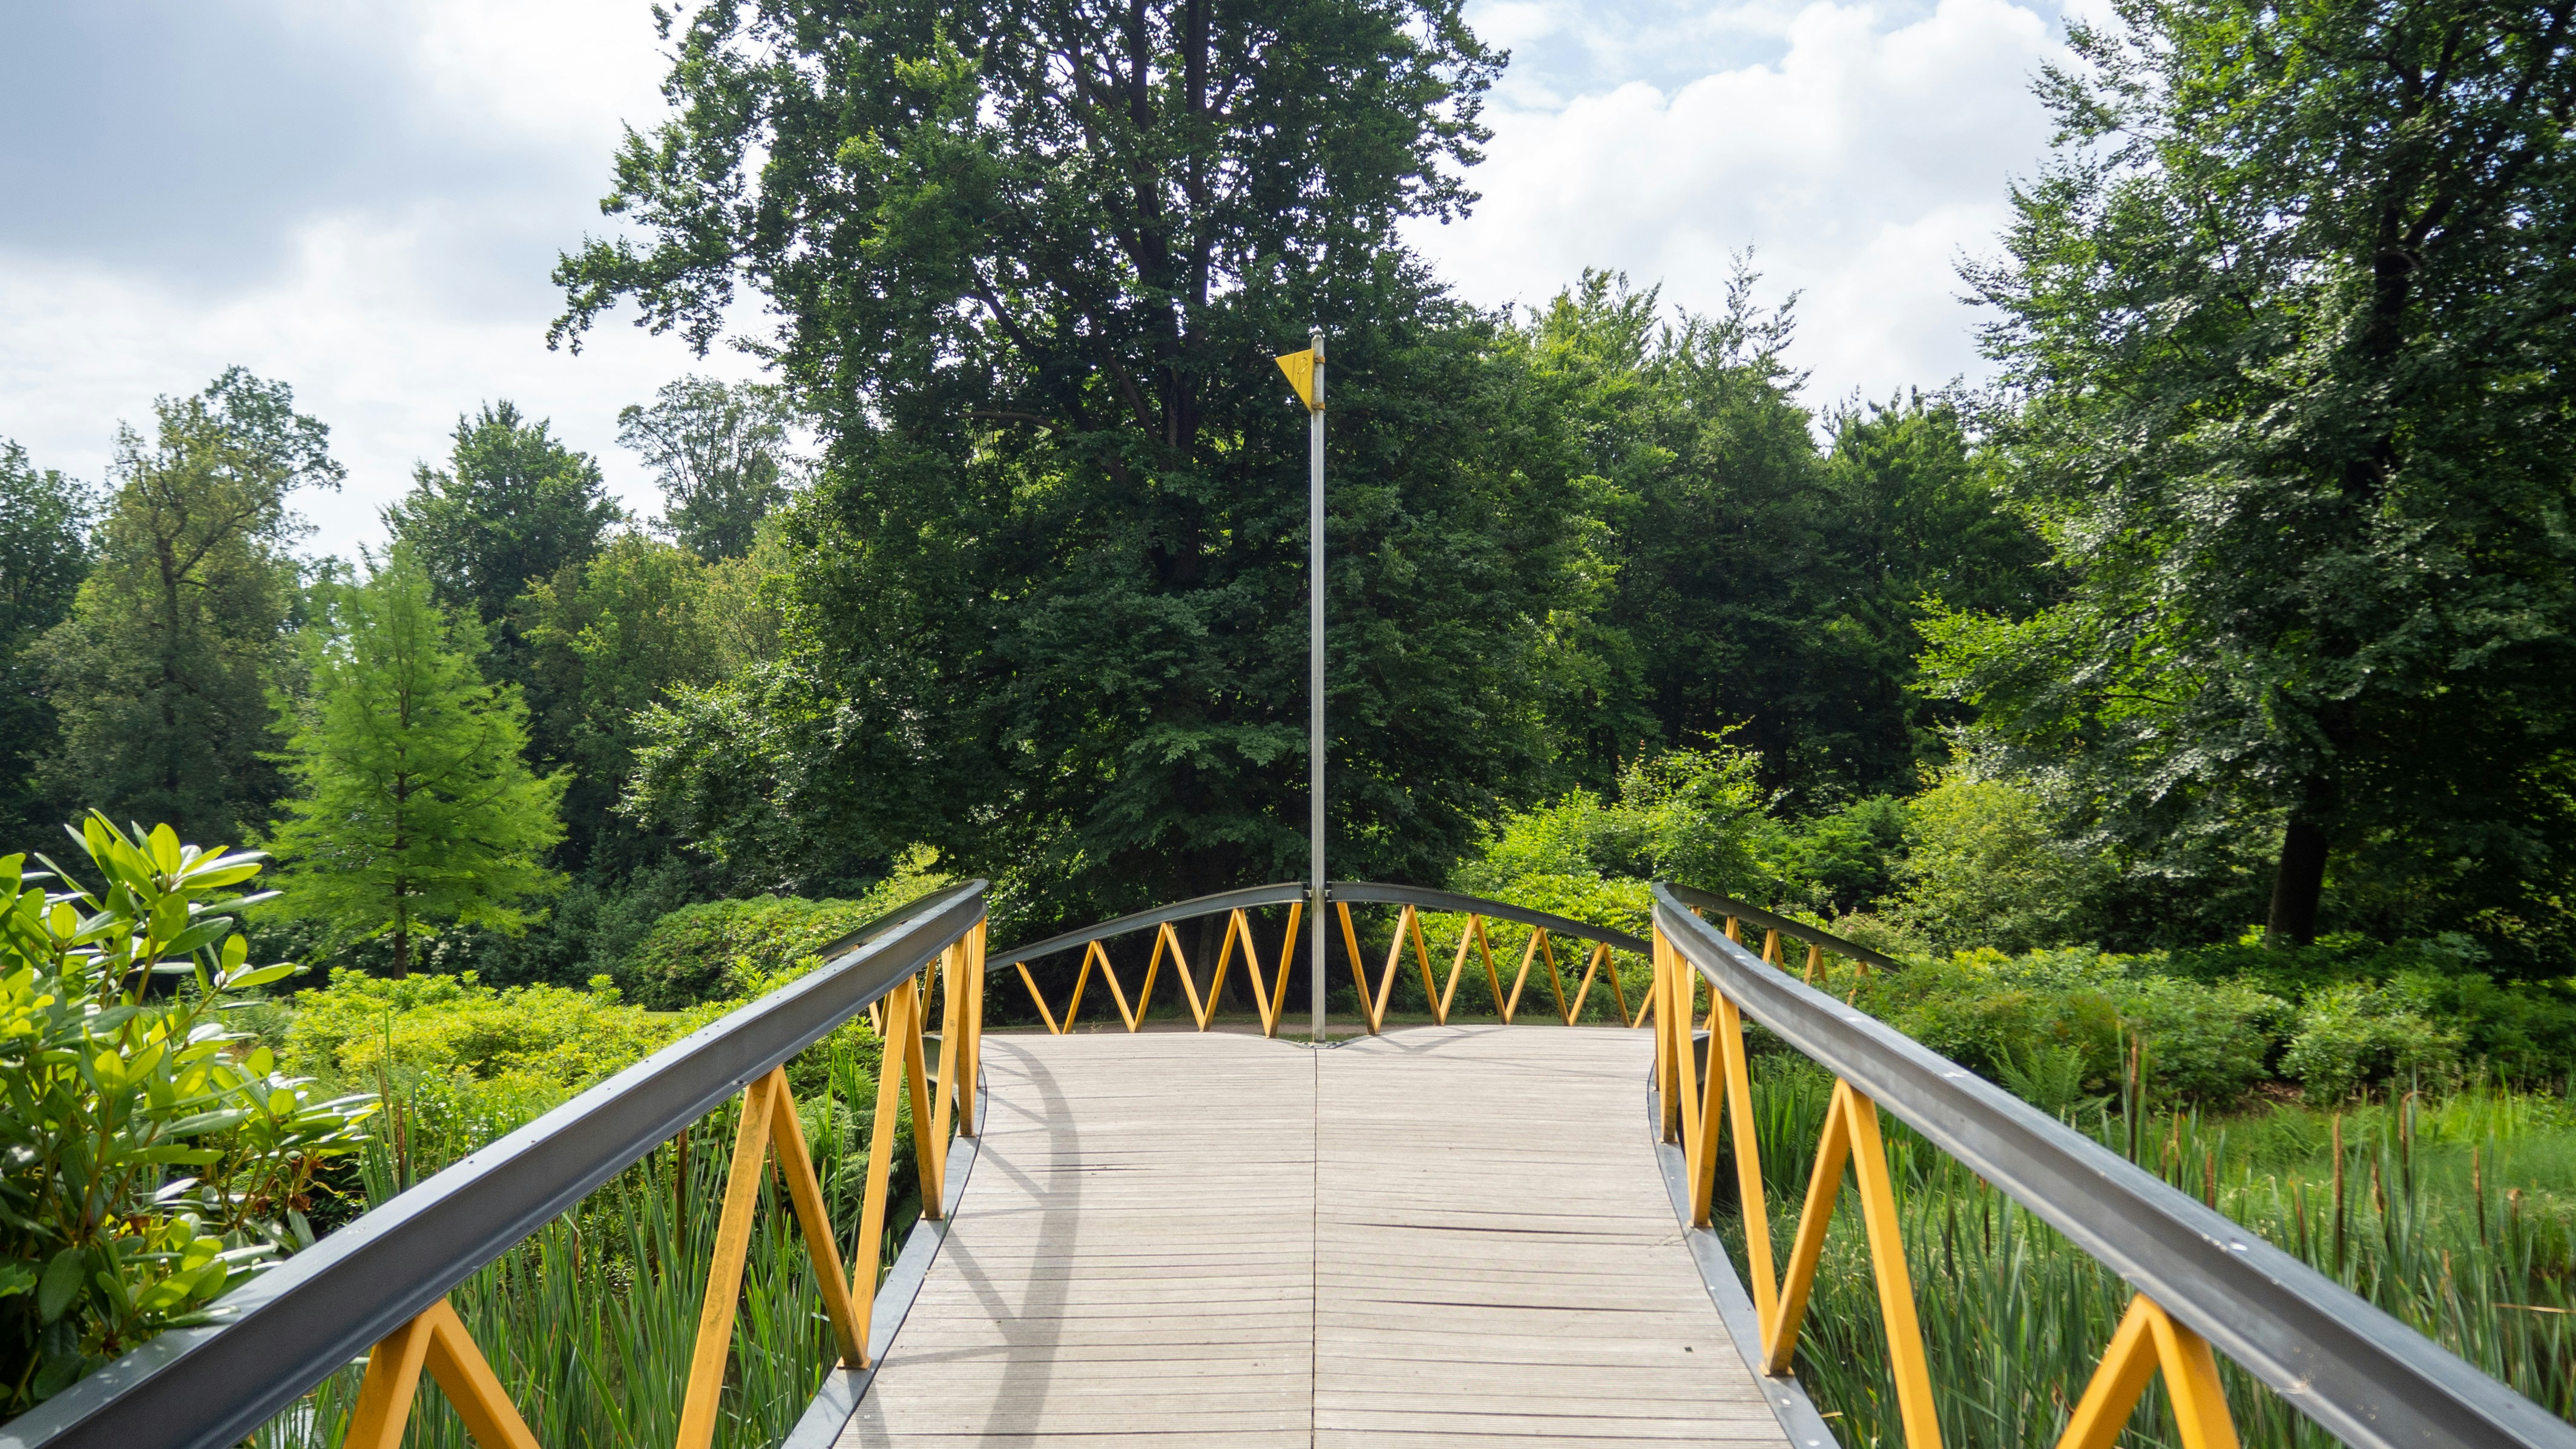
x,y
1443,1236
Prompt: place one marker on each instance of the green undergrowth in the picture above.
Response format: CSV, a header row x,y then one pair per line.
x,y
591,1321
2456,1214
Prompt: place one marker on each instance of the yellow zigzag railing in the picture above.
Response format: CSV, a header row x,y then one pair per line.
x,y
437,1341
1408,927
1269,994
1694,1112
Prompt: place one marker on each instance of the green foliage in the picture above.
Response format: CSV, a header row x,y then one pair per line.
x,y
2217,1025
1984,867
1047,604
1843,861
147,1163
44,555
609,639
721,454
2355,1033
512,506
414,808
726,950
1687,815
1793,616
544,1041
161,673
2285,325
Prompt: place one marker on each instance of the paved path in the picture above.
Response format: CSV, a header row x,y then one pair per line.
x,y
1443,1237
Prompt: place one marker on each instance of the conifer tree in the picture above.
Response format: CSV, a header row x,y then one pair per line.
x,y
413,806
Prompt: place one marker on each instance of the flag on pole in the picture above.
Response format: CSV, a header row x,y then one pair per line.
x,y
1300,367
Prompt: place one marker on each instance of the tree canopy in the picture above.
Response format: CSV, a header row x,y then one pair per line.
x,y
2285,331
161,673
44,555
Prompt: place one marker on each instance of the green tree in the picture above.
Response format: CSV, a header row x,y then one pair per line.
x,y
1030,263
612,638
721,453
1736,576
413,807
161,673
512,505
2286,327
44,555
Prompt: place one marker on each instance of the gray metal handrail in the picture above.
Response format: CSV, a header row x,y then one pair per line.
x,y
2361,1374
1796,930
1425,899
286,1331
1247,898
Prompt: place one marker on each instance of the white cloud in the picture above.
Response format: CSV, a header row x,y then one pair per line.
x,y
365,203
408,288
1858,160
369,325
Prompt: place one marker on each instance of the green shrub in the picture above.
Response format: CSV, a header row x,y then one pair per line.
x,y
1984,867
733,950
148,1162
365,1029
2210,1045
2022,1017
2356,1033
1685,815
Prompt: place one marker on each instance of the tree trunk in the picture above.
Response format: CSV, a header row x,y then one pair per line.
x,y
402,941
2301,880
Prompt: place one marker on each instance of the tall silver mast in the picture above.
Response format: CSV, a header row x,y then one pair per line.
x,y
1315,669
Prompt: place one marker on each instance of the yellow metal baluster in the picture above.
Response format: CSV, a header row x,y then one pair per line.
x,y
2148,1339
434,1340
1851,1135
724,1277
1359,972
1032,983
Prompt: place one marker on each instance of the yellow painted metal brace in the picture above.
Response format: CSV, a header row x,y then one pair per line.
x,y
1300,367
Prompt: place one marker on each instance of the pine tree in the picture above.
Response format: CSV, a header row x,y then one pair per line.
x,y
414,807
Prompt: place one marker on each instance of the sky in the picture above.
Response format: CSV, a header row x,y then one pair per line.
x,y
365,201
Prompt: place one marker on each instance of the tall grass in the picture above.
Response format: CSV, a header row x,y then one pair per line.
x,y
2456,1216
590,1323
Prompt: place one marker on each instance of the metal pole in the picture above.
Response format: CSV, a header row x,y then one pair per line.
x,y
1315,670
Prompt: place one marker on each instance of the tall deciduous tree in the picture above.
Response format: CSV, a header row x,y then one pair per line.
x,y
2288,321
161,673
513,504
721,454
44,555
612,639
1031,261
1739,580
413,809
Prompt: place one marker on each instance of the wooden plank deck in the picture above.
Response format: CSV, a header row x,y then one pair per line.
x,y
1444,1237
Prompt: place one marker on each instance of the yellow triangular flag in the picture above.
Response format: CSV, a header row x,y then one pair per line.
x,y
1300,367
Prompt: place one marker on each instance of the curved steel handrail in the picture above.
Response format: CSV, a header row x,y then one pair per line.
x,y
1289,893
1361,892
1798,930
2360,1373
204,1388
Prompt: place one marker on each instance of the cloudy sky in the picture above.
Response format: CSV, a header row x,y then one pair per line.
x,y
365,200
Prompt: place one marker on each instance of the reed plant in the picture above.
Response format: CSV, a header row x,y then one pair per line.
x,y
2457,1215
591,1321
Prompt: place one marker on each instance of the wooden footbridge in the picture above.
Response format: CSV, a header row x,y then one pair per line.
x,y
1438,1234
